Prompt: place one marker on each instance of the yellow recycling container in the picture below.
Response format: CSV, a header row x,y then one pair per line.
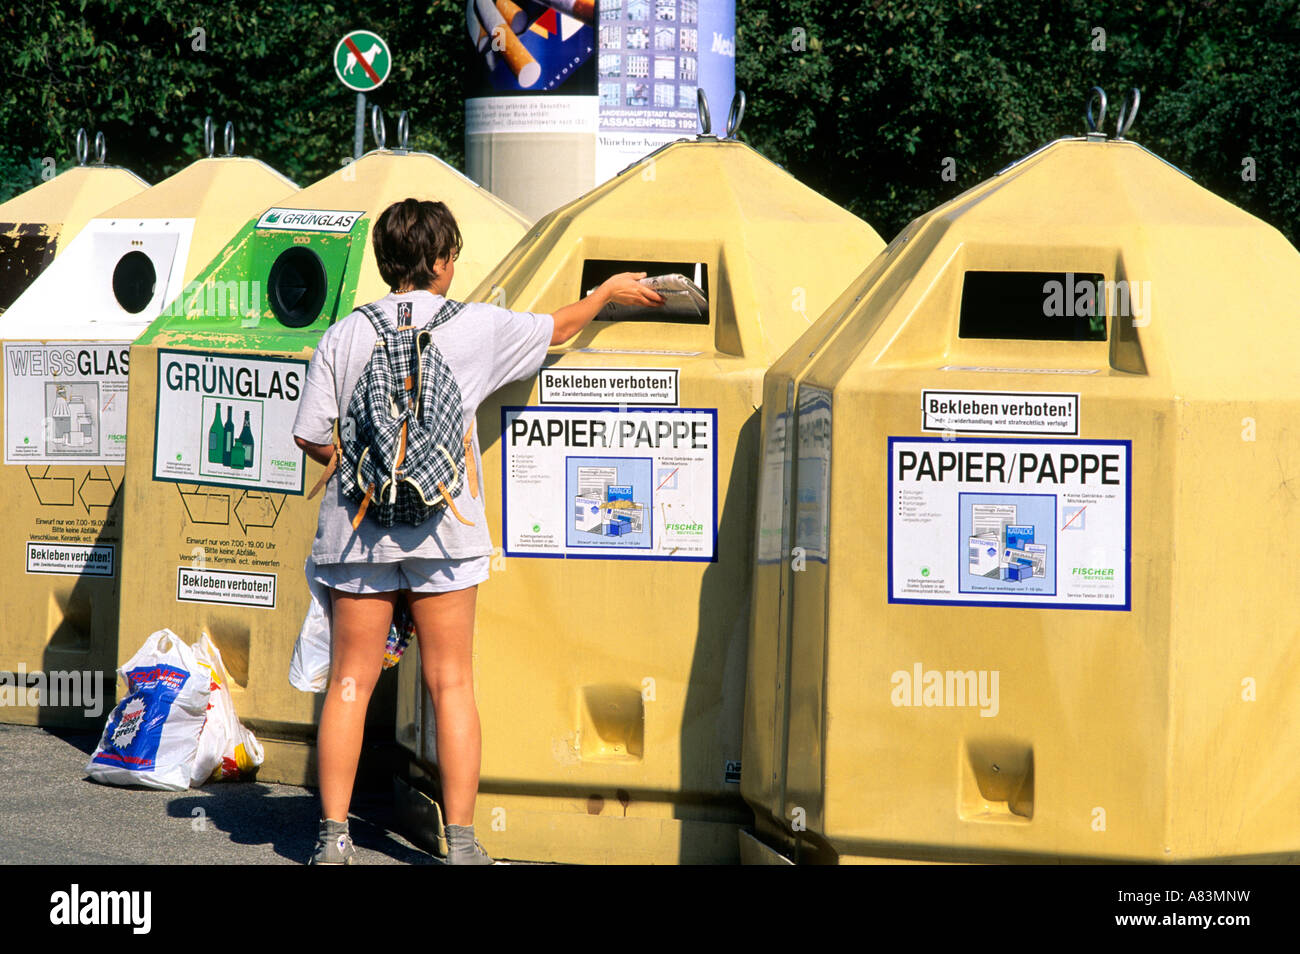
x,y
994,615
66,357
36,226
221,546
610,639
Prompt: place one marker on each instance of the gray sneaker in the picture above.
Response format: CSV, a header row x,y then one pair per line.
x,y
464,849
334,845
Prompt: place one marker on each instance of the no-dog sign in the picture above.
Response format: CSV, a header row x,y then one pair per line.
x,y
362,61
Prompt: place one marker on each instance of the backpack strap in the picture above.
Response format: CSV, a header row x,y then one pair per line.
x,y
377,317
365,505
326,474
331,466
471,472
449,310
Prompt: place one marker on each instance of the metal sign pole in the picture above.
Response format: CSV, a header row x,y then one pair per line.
x,y
358,145
362,61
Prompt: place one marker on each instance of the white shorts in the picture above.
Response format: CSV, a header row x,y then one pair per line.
x,y
416,575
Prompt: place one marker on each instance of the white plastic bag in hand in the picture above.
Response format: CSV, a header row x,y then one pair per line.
x,y
227,750
309,670
152,736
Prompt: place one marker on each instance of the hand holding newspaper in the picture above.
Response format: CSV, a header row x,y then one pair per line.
x,y
683,299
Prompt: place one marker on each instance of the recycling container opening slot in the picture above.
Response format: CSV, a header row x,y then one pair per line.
x,y
134,280
297,286
1034,306
684,285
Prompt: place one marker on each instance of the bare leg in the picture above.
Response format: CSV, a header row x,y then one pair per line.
x,y
360,632
444,624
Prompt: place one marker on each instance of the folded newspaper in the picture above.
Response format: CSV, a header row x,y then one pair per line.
x,y
683,299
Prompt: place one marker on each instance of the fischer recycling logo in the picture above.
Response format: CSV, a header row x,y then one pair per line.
x,y
696,529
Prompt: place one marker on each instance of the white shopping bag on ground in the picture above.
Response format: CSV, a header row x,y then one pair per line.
x,y
152,736
227,750
309,670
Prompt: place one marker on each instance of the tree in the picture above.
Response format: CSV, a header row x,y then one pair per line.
x,y
888,108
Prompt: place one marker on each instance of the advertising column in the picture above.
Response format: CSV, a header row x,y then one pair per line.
x,y
564,94
530,117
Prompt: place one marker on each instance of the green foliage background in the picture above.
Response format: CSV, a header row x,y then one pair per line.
x,y
861,100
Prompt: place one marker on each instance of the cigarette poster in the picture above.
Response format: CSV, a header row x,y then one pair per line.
x,y
65,402
228,421
533,46
1010,523
608,483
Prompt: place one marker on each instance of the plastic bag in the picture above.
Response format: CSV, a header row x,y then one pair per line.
x,y
227,750
309,669
152,736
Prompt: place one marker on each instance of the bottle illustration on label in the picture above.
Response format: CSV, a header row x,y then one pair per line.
x,y
215,438
246,441
228,439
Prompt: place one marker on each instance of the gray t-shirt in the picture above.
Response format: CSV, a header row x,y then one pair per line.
x,y
486,347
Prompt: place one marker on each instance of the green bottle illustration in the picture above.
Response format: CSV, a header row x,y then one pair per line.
x,y
246,439
215,438
228,438
237,455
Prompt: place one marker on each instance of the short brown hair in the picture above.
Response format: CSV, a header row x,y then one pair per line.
x,y
409,236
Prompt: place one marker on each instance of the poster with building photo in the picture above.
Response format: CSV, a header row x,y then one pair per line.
x,y
654,57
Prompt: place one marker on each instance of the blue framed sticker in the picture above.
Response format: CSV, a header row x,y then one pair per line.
x,y
610,483
1010,522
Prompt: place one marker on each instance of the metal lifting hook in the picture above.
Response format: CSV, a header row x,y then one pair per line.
x,y
1128,111
1094,125
736,115
403,131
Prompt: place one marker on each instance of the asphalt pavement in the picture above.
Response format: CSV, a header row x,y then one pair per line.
x,y
51,813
